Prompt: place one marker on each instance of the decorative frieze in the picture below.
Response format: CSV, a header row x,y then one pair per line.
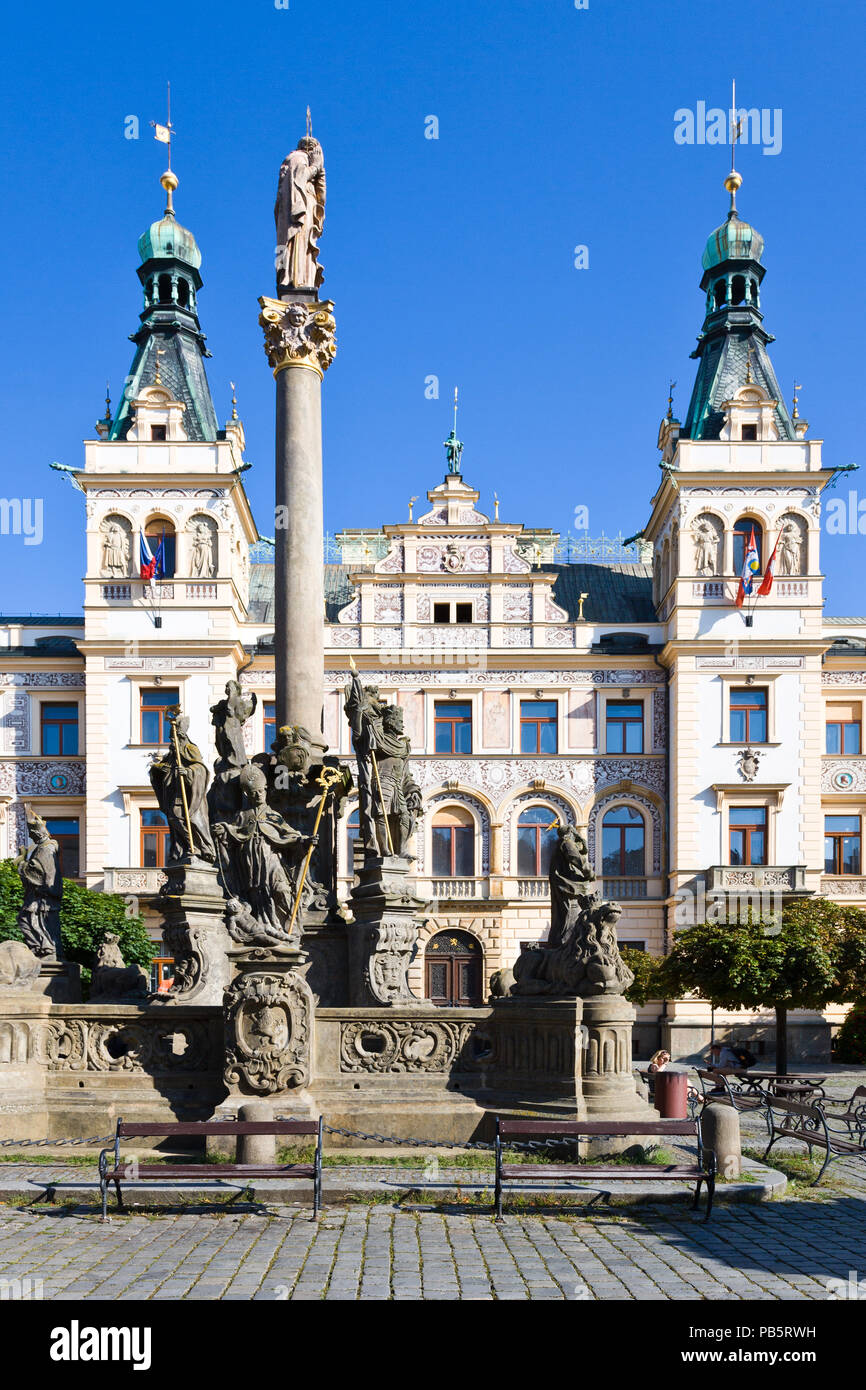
x,y
44,680
159,663
581,777
843,677
29,777
402,1045
156,1045
843,775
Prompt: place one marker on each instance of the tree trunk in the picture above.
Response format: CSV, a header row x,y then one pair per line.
x,y
781,1040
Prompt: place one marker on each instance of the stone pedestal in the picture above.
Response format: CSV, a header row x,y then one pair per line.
x,y
609,1088
60,981
193,907
268,1017
383,938
720,1131
256,1148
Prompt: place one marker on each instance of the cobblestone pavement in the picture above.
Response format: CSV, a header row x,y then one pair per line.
x,y
783,1250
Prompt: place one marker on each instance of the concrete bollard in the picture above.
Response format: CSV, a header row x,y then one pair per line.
x,y
720,1130
256,1148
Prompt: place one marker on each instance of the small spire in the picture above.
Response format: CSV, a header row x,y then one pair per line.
x,y
412,501
234,400
163,134
108,400
734,180
670,414
495,507
795,414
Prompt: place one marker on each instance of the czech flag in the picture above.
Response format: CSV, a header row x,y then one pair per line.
x,y
770,571
150,566
751,567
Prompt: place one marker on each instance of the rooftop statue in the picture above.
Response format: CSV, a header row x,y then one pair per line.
x,y
299,213
39,871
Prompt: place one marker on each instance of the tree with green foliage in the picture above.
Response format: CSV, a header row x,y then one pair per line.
x,y
812,956
85,917
645,969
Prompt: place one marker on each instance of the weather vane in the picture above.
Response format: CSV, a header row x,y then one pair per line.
x,y
234,400
671,386
163,134
734,180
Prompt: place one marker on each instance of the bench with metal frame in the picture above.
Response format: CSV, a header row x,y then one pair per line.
x,y
852,1112
601,1174
726,1089
811,1125
118,1171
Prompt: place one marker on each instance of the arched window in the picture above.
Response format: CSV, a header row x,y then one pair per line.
x,y
164,289
623,836
183,292
738,289
161,533
536,841
742,535
453,843
719,293
453,967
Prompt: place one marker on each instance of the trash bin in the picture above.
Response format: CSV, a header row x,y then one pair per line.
x,y
670,1094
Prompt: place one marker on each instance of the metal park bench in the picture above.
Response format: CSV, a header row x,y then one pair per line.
x,y
852,1112
728,1089
602,1174
811,1125
112,1169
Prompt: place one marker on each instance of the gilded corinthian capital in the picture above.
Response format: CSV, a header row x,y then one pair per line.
x,y
298,334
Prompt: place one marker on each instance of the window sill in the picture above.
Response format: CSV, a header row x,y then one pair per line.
x,y
748,743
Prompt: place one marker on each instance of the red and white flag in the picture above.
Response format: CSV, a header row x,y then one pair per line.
x,y
770,571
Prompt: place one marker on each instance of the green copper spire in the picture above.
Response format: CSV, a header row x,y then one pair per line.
x,y
170,346
732,347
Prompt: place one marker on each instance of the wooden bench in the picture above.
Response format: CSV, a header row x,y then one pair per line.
x,y
811,1125
852,1112
600,1174
112,1169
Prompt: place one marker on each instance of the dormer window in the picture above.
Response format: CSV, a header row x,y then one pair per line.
x,y
158,433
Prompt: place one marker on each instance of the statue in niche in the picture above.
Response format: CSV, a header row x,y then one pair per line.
x,y
202,559
115,550
299,213
790,548
382,750
706,547
39,871
260,857
580,957
228,717
179,778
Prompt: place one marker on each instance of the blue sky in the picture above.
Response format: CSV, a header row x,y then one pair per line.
x,y
451,257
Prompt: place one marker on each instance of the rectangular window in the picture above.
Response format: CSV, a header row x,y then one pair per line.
x,y
538,724
750,431
155,727
157,433
748,834
65,830
463,612
442,612
270,726
841,844
453,851
748,715
59,729
624,726
154,840
843,729
452,727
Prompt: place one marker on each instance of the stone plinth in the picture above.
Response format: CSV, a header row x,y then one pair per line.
x,y
383,938
60,981
193,908
268,1018
609,1088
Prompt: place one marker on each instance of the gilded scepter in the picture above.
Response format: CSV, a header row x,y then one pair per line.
x,y
326,779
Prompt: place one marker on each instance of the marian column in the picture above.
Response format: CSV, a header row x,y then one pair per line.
x,y
299,343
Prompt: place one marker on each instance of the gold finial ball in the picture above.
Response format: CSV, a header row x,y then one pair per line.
x,y
169,181
733,181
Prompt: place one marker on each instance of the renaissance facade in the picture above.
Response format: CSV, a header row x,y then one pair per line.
x,y
709,750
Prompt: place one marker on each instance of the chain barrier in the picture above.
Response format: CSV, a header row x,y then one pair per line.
x,y
54,1143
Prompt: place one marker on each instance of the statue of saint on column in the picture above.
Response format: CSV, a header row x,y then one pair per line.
x,y
39,871
299,213
389,800
179,778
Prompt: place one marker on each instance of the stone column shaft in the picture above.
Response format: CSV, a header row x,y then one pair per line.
x,y
299,602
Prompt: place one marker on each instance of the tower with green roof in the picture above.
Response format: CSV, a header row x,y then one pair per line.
x,y
169,345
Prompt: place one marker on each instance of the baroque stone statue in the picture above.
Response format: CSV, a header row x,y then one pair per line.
x,y
179,778
260,856
790,549
295,770
580,957
299,213
228,717
388,797
115,550
706,546
39,871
